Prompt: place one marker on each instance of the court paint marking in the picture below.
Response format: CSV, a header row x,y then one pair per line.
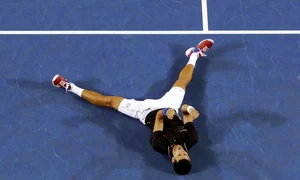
x,y
154,32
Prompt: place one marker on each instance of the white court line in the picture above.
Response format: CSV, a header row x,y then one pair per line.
x,y
171,32
204,15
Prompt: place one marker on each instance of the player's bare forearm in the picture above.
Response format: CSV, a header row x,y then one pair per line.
x,y
189,113
159,122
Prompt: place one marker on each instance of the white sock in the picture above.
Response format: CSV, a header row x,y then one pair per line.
x,y
76,90
193,59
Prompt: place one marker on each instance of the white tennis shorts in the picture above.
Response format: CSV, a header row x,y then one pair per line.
x,y
140,109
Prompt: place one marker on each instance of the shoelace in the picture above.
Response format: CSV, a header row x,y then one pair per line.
x,y
197,50
67,87
65,84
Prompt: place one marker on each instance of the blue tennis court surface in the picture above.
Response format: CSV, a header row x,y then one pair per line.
x,y
100,15
253,15
247,91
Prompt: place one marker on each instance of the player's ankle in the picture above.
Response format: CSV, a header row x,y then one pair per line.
x,y
75,89
193,59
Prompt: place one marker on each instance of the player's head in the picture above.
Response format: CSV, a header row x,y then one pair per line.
x,y
181,161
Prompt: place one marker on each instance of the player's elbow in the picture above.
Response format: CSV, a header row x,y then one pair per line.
x,y
156,146
194,137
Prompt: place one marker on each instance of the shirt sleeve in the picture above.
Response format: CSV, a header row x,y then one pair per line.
x,y
159,142
192,138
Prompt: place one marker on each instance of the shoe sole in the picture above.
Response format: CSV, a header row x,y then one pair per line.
x,y
206,40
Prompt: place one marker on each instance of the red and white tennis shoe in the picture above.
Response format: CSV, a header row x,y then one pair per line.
x,y
60,82
202,48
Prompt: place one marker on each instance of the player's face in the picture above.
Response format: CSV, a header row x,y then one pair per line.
x,y
179,153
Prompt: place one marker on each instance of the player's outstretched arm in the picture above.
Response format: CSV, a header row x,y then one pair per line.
x,y
189,113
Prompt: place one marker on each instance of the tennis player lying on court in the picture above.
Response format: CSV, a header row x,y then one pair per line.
x,y
170,135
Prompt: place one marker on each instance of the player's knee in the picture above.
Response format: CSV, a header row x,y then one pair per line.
x,y
108,101
182,82
103,101
112,101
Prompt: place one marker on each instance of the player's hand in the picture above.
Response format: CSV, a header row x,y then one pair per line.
x,y
194,114
191,114
170,113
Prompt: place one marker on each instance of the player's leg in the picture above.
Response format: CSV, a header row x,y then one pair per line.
x,y
186,74
91,96
174,97
129,107
101,100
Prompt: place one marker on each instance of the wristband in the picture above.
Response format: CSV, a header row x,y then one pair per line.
x,y
189,108
165,111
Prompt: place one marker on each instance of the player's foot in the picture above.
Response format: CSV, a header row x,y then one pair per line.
x,y
60,82
201,48
193,50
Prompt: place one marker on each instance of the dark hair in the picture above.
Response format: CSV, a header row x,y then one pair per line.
x,y
182,167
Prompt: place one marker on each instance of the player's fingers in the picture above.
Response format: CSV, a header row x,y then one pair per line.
x,y
170,113
195,114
